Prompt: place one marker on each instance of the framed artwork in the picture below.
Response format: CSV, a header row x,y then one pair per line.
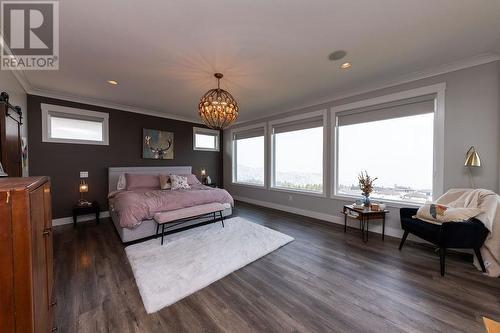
x,y
157,145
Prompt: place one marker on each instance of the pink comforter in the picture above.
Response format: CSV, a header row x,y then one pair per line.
x,y
135,206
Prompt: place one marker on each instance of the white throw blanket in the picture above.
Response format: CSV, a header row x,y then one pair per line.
x,y
489,203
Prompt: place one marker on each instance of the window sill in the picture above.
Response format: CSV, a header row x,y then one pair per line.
x,y
388,203
75,141
289,190
262,187
207,149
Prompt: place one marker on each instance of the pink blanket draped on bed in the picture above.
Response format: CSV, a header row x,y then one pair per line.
x,y
135,206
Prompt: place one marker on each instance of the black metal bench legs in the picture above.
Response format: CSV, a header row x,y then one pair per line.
x,y
162,232
221,217
181,221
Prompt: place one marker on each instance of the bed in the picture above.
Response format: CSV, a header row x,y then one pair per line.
x,y
147,227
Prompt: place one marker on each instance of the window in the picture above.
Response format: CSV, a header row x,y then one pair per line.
x,y
393,142
69,125
298,154
205,139
248,156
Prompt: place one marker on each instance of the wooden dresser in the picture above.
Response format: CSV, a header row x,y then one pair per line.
x,y
26,260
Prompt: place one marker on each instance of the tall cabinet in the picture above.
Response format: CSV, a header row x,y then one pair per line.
x,y
26,256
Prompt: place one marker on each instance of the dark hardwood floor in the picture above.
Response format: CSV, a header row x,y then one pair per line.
x,y
324,281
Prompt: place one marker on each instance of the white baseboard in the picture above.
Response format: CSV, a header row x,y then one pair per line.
x,y
69,219
376,228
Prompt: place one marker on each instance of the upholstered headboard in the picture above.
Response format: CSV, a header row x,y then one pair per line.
x,y
114,173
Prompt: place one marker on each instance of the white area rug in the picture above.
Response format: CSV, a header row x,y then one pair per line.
x,y
191,260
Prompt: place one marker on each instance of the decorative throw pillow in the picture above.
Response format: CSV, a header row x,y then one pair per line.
x,y
141,181
165,182
179,182
437,213
122,183
191,178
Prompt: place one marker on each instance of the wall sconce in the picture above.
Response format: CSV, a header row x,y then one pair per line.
x,y
472,160
83,188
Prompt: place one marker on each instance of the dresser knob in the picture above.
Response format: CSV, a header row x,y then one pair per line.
x,y
53,303
54,329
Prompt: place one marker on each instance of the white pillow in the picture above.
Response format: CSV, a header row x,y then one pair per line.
x,y
437,213
179,182
122,182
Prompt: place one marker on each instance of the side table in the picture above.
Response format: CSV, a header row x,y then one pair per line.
x,y
364,215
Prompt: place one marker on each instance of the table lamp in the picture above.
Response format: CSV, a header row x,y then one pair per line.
x,y
203,175
472,160
83,188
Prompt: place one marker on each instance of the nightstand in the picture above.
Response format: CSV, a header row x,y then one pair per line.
x,y
78,210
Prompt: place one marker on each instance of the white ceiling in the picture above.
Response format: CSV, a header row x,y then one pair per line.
x,y
274,54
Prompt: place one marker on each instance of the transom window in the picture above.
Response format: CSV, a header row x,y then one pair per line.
x,y
77,126
205,139
393,142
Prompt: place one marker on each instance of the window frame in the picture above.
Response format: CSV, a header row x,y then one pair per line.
x,y
49,110
206,131
234,153
272,165
438,139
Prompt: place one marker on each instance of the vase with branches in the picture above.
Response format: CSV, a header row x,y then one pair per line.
x,y
366,186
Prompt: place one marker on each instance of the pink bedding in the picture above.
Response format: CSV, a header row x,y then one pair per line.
x,y
132,207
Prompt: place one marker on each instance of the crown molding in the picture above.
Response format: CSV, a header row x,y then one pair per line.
x,y
29,89
407,78
110,105
22,79
477,60
18,74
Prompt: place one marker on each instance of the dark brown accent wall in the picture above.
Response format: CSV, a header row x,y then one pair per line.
x,y
63,162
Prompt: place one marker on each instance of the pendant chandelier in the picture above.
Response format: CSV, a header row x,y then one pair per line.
x,y
217,108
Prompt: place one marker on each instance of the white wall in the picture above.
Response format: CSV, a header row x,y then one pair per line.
x,y
472,117
17,96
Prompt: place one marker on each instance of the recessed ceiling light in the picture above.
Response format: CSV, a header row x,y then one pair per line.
x,y
113,82
346,65
337,55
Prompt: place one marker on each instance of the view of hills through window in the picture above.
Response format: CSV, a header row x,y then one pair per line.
x,y
398,151
250,161
299,159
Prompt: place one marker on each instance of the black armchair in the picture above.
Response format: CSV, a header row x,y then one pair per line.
x,y
459,235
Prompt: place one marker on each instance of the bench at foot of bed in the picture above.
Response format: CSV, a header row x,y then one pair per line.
x,y
172,218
